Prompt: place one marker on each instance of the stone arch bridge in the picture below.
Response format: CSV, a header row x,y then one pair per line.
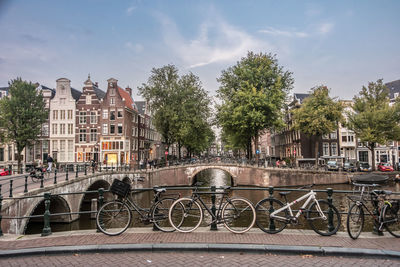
x,y
66,196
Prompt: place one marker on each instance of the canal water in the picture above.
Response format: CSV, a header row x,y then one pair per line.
x,y
219,178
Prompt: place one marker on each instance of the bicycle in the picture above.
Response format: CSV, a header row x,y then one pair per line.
x,y
114,217
386,212
273,216
36,173
236,213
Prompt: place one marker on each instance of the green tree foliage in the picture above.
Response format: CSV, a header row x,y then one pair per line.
x,y
181,108
22,115
318,115
252,94
374,121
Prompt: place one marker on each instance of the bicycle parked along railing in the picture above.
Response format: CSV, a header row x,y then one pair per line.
x,y
385,213
273,215
114,217
236,213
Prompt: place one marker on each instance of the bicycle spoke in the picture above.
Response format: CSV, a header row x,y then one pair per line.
x,y
238,215
185,215
328,222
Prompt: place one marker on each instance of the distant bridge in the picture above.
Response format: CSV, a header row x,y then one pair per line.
x,y
66,199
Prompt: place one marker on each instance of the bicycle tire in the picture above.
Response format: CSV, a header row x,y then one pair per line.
x,y
318,224
113,218
355,220
185,215
159,214
263,220
35,177
391,217
238,215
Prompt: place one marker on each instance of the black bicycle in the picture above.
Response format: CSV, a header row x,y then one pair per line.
x,y
237,214
114,217
385,212
36,173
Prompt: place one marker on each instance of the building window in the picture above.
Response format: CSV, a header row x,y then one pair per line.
x,y
93,135
105,113
70,128
334,149
54,128
62,128
1,154
62,115
70,114
119,128
105,129
112,101
120,113
333,135
363,156
62,101
112,91
112,129
93,117
88,99
82,135
112,115
55,114
325,149
82,117
45,129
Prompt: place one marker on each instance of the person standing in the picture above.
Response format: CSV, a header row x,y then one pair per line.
x,y
50,163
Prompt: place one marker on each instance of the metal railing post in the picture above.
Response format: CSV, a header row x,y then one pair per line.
x,y
99,169
76,167
101,201
46,216
1,201
41,181
375,229
11,188
55,176
213,209
66,174
85,169
271,208
331,227
26,184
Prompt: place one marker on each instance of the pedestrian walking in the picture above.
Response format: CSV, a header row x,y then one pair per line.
x,y
50,163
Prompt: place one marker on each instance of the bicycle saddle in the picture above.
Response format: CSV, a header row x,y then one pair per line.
x,y
159,190
284,193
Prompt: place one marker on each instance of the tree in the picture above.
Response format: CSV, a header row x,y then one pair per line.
x,y
181,108
374,121
252,94
318,115
22,115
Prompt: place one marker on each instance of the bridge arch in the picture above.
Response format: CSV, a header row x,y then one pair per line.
x,y
86,199
58,204
203,168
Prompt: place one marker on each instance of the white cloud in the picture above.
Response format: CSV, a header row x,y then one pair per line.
x,y
130,10
325,28
277,32
134,47
216,42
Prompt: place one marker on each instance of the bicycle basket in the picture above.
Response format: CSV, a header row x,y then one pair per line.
x,y
120,188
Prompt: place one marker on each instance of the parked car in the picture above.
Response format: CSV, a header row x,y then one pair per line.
x,y
385,167
332,166
4,172
364,167
349,167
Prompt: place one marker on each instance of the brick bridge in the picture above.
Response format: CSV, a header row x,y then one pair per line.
x,y
67,199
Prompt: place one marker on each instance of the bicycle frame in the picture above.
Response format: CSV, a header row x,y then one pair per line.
x,y
217,217
310,197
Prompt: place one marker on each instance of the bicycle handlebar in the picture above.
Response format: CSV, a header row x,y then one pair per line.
x,y
306,186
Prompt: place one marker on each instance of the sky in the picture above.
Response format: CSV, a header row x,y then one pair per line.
x,y
340,44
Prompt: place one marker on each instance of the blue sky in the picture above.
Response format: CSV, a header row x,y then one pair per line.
x,y
341,44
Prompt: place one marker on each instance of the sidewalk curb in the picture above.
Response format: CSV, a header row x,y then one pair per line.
x,y
203,247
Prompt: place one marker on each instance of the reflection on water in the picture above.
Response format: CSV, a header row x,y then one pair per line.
x,y
219,178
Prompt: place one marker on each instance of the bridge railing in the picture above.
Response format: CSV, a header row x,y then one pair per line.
x,y
47,198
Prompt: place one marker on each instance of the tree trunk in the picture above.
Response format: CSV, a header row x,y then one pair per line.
x,y
256,148
316,152
179,150
372,148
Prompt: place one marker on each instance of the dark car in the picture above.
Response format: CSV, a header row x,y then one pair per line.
x,y
349,167
364,167
332,166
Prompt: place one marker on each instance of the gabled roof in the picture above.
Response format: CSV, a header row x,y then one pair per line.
x,y
141,106
76,94
4,88
128,99
99,93
394,87
300,97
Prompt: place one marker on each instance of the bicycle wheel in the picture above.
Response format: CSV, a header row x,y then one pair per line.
x,y
159,214
35,176
391,218
238,215
185,215
263,210
328,226
114,218
355,221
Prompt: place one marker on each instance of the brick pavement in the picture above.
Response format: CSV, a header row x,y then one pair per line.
x,y
201,236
